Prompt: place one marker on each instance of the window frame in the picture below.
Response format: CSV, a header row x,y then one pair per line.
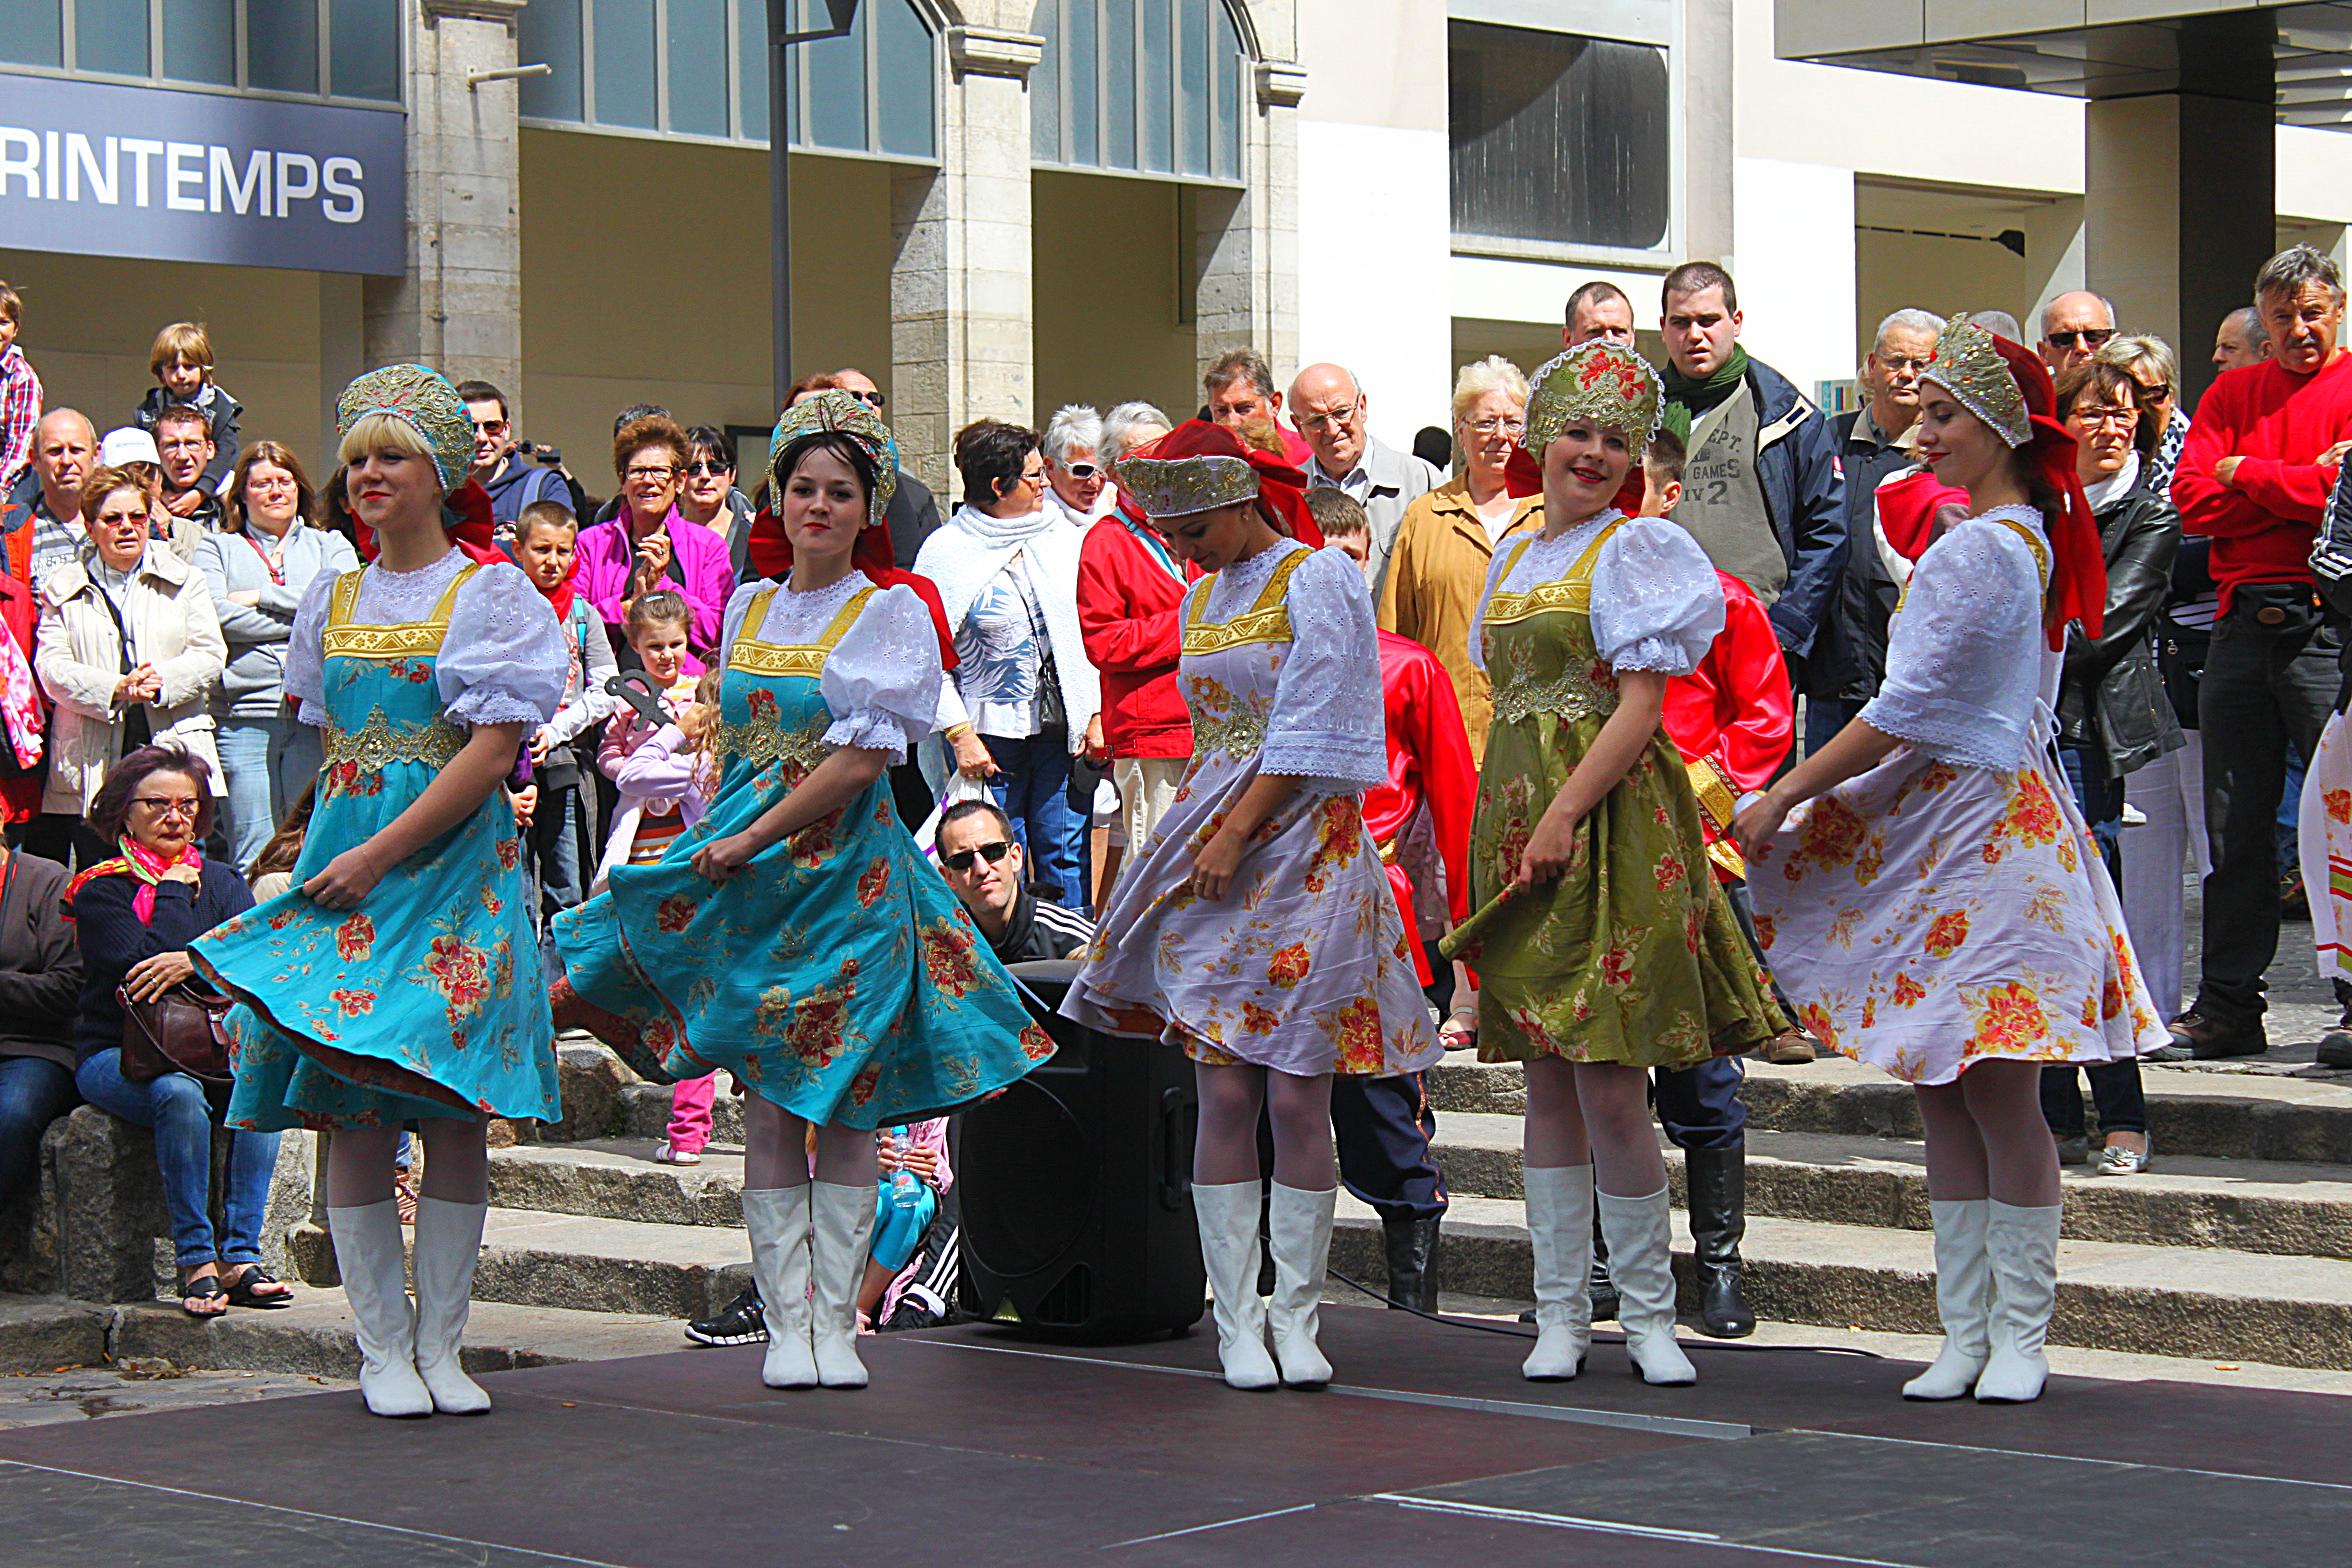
x,y
69,37
739,132
1106,94
1599,29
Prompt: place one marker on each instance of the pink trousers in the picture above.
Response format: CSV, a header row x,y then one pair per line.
x,y
690,1113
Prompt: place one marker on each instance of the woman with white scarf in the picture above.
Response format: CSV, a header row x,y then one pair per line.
x,y
1022,706
1077,481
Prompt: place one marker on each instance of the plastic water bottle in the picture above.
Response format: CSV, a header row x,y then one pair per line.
x,y
906,1188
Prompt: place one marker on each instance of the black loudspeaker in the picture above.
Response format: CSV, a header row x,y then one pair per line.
x,y
1077,1184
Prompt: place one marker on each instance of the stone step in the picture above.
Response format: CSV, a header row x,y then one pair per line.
x,y
2208,1303
2259,1206
590,1264
2194,1109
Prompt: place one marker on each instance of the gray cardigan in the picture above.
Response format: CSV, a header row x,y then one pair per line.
x,y
254,685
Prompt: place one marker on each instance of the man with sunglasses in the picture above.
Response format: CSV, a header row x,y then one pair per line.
x,y
512,484
2073,326
983,868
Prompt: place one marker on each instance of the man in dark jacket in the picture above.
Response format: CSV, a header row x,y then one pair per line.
x,y
1761,490
1849,651
40,989
512,483
982,866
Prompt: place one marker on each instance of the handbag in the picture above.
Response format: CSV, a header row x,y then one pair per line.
x,y
181,1031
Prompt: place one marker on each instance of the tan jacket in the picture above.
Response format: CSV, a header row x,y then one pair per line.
x,y
78,655
1434,580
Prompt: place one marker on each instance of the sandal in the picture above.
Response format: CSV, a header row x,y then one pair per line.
x,y
1460,1030
243,1294
205,1287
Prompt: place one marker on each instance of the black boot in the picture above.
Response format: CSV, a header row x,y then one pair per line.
x,y
1412,1263
1718,1218
1602,1289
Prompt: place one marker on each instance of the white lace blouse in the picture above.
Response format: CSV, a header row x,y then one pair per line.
x,y
1655,602
502,661
881,681
1964,658
1327,723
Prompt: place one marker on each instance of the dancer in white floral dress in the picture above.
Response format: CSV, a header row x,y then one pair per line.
x,y
1258,932
1937,908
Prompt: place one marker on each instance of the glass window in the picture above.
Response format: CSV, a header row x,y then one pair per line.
x,y
1151,86
282,45
32,32
1120,66
363,44
1156,102
1558,138
908,83
1045,86
200,41
1226,54
697,31
834,70
625,80
550,35
111,35
1192,53
751,67
1083,103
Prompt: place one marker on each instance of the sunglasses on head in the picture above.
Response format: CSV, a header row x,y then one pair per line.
x,y
961,860
2090,337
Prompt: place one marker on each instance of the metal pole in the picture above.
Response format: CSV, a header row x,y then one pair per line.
x,y
780,186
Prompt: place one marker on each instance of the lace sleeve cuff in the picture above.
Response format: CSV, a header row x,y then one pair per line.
x,y
1343,763
1958,733
871,731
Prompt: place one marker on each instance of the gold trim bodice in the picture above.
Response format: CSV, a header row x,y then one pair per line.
x,y
1584,688
1266,620
761,744
383,740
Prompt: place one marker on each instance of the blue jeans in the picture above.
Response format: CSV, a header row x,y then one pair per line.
x,y
34,1091
266,763
1824,717
1034,789
173,1105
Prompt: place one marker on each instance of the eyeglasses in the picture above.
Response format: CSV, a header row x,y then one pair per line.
x,y
650,473
1489,426
2120,418
709,465
165,807
2089,337
1892,363
490,427
1080,470
872,399
1337,416
961,861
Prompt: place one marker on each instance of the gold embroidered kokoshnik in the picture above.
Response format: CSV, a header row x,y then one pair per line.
x,y
402,639
1267,620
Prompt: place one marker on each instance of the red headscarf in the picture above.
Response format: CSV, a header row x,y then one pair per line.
x,y
466,519
1282,489
771,556
2078,566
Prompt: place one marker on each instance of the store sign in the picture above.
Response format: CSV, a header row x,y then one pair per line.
x,y
94,169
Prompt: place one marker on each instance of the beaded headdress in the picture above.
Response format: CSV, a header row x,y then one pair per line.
x,y
423,400
1968,364
1604,383
1179,486
837,411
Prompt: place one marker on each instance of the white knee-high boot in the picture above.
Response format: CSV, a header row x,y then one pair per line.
x,y
1300,1222
2023,1246
844,1234
1559,1222
1641,1261
1963,1299
368,1253
778,1220
448,1244
1227,1213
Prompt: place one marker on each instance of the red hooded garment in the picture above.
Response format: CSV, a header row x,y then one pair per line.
x,y
2078,566
1429,764
1732,718
1282,489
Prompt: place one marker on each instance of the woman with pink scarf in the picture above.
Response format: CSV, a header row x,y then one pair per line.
x,y
649,545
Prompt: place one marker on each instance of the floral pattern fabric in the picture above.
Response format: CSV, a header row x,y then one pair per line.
x,y
1633,955
835,975
424,1001
1303,966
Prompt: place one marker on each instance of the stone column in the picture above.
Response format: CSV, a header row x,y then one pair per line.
x,y
1246,290
2180,190
1708,134
459,307
961,282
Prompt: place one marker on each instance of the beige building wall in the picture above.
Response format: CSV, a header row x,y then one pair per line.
x,y
1113,306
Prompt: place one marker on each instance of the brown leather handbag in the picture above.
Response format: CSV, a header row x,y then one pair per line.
x,y
181,1031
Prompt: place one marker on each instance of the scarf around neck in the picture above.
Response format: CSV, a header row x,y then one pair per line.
x,y
145,864
1687,399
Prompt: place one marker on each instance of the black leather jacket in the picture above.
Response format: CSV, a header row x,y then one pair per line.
x,y
2111,699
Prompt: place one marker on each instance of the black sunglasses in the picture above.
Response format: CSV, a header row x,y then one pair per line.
x,y
710,465
961,860
2091,337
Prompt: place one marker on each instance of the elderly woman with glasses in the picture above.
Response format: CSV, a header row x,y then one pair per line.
x,y
2155,377
1077,484
651,544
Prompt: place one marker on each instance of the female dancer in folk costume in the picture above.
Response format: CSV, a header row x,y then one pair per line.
x,y
1258,931
795,936
397,979
1603,944
1938,908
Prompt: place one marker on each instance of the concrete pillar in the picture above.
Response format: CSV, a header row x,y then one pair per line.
x,y
961,284
459,308
1245,291
1708,221
2180,190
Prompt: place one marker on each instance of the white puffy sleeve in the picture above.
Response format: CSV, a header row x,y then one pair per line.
x,y
738,606
1505,553
306,652
1656,604
1326,723
1964,656
503,660
881,681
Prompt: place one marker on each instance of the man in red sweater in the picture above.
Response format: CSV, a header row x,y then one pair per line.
x,y
1129,589
2254,475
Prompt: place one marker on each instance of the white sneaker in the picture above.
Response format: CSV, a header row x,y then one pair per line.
x,y
664,1154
